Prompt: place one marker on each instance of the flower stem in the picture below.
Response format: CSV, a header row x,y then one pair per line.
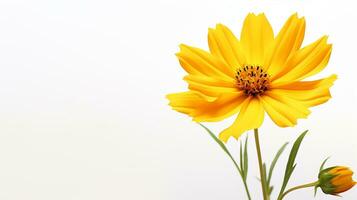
x,y
262,176
297,188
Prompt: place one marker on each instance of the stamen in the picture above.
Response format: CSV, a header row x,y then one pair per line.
x,y
252,79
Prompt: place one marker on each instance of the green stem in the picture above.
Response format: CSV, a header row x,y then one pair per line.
x,y
246,189
262,176
297,188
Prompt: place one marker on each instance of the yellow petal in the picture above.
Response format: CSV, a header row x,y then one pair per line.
x,y
194,105
306,62
335,170
220,109
185,102
200,62
310,93
210,86
251,116
346,172
344,187
342,179
225,45
279,117
256,38
287,42
283,110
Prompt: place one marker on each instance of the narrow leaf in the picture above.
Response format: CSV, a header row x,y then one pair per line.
x,y
221,144
266,185
290,166
265,170
272,166
241,158
241,170
245,165
276,158
271,190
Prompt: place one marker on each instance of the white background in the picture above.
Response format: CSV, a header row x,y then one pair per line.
x,y
83,113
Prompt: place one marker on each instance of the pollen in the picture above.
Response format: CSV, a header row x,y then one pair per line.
x,y
253,80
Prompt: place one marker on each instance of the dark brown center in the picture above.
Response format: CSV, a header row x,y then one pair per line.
x,y
253,80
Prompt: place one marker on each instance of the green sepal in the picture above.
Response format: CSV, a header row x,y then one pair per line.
x,y
325,181
315,189
323,164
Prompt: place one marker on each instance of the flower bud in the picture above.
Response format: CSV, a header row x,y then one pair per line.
x,y
335,180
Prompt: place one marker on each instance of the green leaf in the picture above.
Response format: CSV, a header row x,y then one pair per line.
x,y
243,170
241,159
290,166
276,158
266,185
271,188
272,166
221,144
245,165
243,156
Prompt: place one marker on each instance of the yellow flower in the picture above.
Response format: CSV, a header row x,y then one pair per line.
x,y
335,180
258,73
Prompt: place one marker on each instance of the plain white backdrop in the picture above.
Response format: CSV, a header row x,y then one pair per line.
x,y
83,114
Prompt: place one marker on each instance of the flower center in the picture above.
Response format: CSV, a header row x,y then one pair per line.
x,y
253,80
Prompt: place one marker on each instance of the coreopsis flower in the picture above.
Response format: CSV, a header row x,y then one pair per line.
x,y
335,180
257,74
